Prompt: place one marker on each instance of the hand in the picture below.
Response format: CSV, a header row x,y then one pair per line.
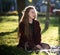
x,y
37,47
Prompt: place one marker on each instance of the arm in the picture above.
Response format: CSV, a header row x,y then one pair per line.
x,y
20,29
37,33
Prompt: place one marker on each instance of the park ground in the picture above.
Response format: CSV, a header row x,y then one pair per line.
x,y
9,37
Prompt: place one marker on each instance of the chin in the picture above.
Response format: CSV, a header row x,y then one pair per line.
x,y
32,18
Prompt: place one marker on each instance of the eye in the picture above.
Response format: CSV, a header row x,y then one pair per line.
x,y
33,12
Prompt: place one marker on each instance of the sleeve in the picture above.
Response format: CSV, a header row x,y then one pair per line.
x,y
38,33
22,38
22,35
39,30
20,29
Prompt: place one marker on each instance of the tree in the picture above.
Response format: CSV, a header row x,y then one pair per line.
x,y
20,7
47,15
34,2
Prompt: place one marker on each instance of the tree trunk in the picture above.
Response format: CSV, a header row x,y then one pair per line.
x,y
20,7
59,30
15,4
34,2
47,15
1,6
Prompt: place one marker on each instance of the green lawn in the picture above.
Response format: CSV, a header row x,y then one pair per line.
x,y
9,38
50,35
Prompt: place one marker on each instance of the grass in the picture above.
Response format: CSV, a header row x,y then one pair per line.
x,y
8,32
52,33
9,39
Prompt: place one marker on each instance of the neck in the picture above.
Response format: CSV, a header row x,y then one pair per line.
x,y
30,20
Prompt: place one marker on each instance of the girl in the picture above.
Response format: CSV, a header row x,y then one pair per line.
x,y
30,31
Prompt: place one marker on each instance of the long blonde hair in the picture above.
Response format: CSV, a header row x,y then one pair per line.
x,y
25,19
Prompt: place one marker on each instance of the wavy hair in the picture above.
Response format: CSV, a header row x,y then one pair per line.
x,y
25,19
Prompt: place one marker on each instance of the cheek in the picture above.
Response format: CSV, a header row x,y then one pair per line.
x,y
30,14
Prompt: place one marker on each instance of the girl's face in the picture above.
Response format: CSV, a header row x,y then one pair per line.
x,y
32,14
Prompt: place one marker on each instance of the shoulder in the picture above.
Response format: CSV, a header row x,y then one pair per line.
x,y
36,22
21,24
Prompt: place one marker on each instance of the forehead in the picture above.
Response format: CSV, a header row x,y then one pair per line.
x,y
32,10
